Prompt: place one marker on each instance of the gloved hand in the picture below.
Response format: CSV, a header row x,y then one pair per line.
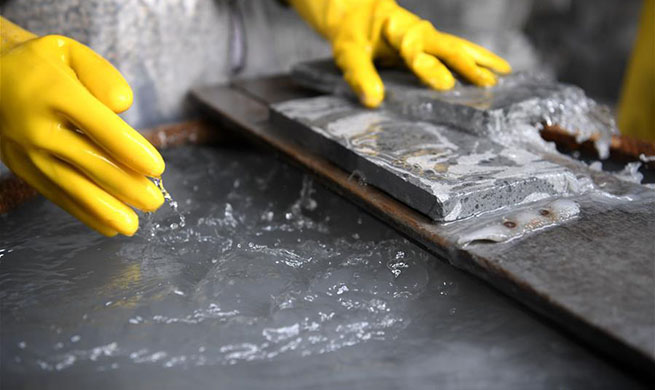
x,y
363,30
637,102
59,131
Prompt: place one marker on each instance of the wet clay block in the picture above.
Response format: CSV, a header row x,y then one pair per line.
x,y
442,172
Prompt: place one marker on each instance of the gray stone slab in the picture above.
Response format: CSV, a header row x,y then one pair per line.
x,y
440,171
510,112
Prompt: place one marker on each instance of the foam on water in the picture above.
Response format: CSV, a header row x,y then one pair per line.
x,y
270,277
631,173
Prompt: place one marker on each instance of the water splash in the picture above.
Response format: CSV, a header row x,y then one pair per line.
x,y
646,159
630,173
159,182
296,215
397,264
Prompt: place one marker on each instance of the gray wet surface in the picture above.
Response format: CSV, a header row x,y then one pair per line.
x,y
272,282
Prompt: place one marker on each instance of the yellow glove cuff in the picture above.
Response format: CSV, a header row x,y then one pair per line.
x,y
12,35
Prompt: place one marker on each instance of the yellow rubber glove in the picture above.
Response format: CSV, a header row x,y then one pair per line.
x,y
59,131
636,116
365,30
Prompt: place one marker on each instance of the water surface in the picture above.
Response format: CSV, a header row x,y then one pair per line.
x,y
273,282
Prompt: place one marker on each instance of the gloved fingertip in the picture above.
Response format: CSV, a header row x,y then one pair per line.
x,y
442,82
371,93
152,164
432,72
120,98
485,78
371,100
126,223
503,67
152,199
158,166
130,227
131,234
143,157
102,229
108,233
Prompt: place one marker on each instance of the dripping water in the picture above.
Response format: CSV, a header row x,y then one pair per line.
x,y
159,182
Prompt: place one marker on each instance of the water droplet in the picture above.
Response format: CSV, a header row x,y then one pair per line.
x,y
159,182
268,216
397,265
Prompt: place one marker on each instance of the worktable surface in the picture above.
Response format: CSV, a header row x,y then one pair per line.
x,y
274,282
